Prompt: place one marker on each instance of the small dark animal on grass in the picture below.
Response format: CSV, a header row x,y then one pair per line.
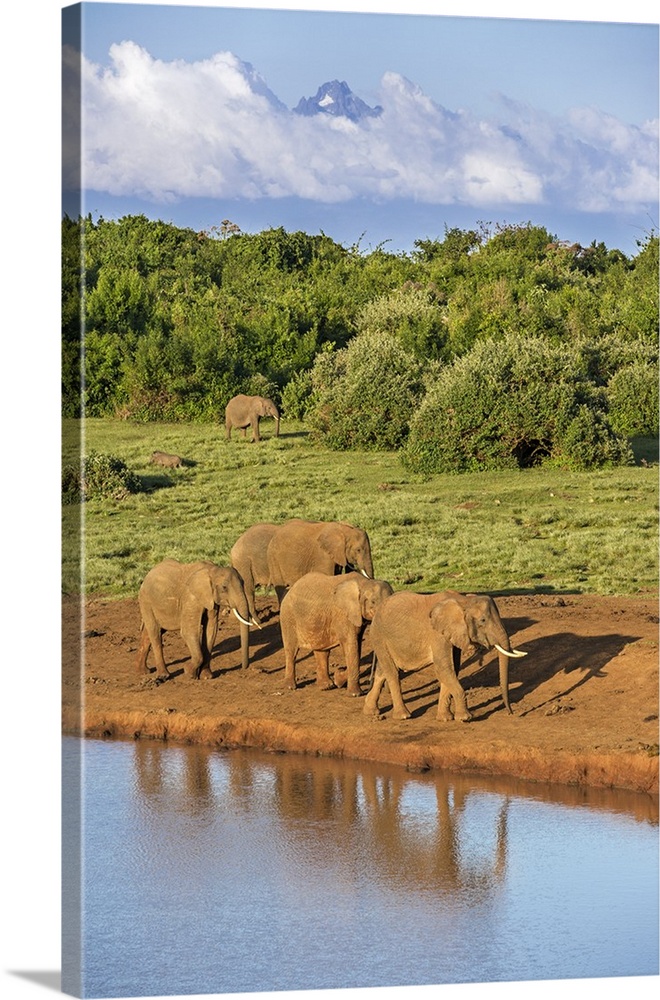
x,y
168,461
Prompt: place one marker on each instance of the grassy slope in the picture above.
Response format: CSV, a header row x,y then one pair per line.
x,y
537,530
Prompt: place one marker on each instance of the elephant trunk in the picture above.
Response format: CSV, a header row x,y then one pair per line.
x,y
368,568
503,646
504,680
245,645
239,605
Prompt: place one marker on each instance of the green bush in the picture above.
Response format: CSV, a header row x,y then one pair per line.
x,y
296,396
413,314
98,477
364,395
514,403
632,393
259,385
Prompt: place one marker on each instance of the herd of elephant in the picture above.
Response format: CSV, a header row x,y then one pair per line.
x,y
322,573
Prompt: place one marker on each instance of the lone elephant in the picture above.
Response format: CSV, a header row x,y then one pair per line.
x,y
412,631
246,411
321,612
187,597
272,555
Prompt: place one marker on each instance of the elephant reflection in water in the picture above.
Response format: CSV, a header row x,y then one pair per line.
x,y
186,789
356,819
369,809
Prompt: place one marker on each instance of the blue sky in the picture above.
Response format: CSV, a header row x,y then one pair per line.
x,y
458,61
486,118
500,119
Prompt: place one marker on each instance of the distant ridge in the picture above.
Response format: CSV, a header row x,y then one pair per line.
x,y
337,99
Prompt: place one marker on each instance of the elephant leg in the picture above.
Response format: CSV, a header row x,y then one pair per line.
x,y
444,711
371,701
143,652
154,638
280,591
210,633
157,647
387,670
450,687
290,655
255,430
351,648
323,679
192,635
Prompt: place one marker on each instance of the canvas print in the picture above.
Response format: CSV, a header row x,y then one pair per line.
x,y
359,500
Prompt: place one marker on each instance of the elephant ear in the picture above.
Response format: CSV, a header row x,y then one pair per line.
x,y
447,617
347,598
200,589
333,541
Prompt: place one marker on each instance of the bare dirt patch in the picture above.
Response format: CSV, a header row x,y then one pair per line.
x,y
585,699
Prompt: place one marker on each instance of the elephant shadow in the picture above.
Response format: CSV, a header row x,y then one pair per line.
x,y
580,659
222,650
294,434
266,641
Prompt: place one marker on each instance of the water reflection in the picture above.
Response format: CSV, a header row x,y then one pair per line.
x,y
304,787
422,833
290,864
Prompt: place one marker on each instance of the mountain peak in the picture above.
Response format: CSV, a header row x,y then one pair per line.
x,y
336,98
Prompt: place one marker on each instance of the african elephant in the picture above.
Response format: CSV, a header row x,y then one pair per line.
x,y
276,556
246,411
330,547
248,557
187,597
320,612
412,631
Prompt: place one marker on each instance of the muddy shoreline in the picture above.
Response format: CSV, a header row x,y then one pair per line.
x,y
585,701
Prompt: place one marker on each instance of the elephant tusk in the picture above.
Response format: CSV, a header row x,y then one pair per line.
x,y
514,652
365,574
255,622
242,620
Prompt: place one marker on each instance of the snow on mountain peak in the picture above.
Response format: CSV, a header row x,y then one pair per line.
x,y
336,98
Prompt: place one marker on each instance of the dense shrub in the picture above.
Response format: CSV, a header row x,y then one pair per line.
x,y
98,477
606,354
632,394
364,395
176,321
259,385
296,396
412,313
516,402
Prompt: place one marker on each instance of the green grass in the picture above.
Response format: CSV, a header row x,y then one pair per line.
x,y
502,532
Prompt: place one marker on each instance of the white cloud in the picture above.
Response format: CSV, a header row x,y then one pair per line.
x,y
213,129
